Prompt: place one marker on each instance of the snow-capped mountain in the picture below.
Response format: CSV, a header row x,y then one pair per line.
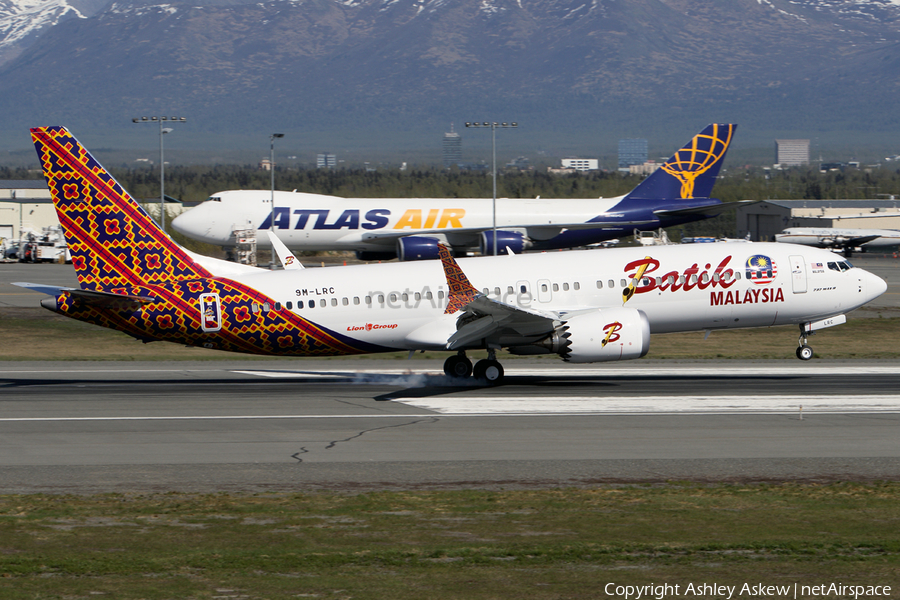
x,y
23,20
334,65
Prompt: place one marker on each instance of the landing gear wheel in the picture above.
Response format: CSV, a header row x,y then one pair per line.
x,y
458,366
804,352
489,370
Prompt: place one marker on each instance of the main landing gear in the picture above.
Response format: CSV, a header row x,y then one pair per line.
x,y
804,351
488,370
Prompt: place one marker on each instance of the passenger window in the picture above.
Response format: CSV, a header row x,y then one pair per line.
x,y
693,279
312,303
345,301
428,296
405,296
624,283
278,306
497,291
393,297
612,283
704,278
440,294
599,285
368,299
510,290
543,287
289,305
577,286
523,289
418,296
322,303
555,287
565,287
355,300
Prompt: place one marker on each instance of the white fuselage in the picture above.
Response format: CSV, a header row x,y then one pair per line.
x,y
828,237
684,288
316,222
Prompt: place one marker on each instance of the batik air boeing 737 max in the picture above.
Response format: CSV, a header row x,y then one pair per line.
x,y
413,228
585,306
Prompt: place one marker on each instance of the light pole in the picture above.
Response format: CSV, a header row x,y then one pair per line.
x,y
162,163
494,126
272,139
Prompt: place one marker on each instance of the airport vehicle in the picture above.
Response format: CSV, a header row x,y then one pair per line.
x,y
585,306
412,228
836,238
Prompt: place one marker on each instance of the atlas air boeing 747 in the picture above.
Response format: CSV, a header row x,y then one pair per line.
x,y
414,228
585,306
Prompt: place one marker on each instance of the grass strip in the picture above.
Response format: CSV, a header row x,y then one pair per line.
x,y
35,334
563,543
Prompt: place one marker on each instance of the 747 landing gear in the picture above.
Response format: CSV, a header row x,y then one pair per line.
x,y
460,367
804,351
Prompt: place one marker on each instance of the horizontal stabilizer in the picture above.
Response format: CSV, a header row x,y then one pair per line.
x,y
94,298
109,300
50,290
711,210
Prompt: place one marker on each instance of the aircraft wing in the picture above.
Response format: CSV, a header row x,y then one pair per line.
x,y
859,241
104,299
483,316
709,211
542,230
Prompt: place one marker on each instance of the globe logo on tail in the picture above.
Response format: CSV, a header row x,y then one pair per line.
x,y
698,157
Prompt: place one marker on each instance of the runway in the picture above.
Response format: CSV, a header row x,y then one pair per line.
x,y
378,424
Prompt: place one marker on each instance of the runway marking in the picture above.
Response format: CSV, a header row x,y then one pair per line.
x,y
561,370
684,370
654,405
487,406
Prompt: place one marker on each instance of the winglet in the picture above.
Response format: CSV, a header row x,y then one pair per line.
x,y
461,292
288,260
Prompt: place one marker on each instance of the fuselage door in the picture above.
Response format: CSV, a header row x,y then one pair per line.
x,y
210,313
798,274
543,290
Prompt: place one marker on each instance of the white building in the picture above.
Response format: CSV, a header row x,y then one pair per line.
x,y
581,164
792,153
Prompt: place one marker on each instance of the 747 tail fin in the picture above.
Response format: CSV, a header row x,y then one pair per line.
x,y
691,172
114,243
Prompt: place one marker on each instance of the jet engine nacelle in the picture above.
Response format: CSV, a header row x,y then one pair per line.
x,y
415,247
606,334
516,241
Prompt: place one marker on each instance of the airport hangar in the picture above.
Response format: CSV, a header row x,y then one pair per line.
x,y
763,220
25,204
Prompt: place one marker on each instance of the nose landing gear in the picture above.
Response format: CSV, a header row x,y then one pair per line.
x,y
804,351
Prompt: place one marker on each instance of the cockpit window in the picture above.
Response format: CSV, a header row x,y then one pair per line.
x,y
840,266
214,199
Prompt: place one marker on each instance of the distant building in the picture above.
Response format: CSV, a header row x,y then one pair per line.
x,y
452,148
792,153
326,161
521,163
645,169
265,165
581,164
632,152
